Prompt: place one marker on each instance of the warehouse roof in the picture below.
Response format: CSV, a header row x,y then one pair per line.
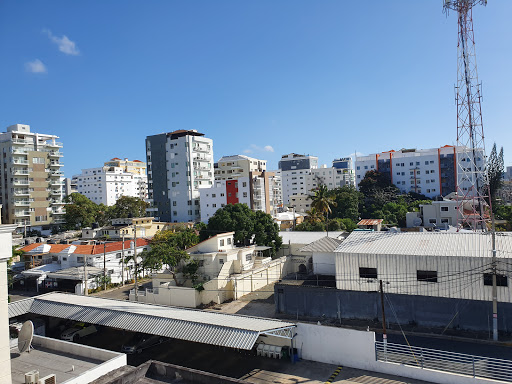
x,y
306,237
325,244
214,328
472,244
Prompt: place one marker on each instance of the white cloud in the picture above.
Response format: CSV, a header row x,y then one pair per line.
x,y
65,45
255,148
35,66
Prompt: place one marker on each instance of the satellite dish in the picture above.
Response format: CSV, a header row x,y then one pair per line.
x,y
417,222
25,336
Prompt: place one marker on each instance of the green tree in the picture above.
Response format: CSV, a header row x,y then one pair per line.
x,y
80,211
250,227
495,170
127,206
347,200
322,200
348,224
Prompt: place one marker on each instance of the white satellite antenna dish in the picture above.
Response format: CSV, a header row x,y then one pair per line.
x,y
417,221
25,336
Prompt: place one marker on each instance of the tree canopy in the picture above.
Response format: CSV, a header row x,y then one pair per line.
x,y
250,227
82,212
495,170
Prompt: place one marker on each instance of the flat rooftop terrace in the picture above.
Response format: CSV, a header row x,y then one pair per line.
x,y
48,361
66,360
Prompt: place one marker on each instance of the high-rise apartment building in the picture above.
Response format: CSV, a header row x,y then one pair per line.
x,y
30,178
293,169
179,164
431,172
229,167
105,185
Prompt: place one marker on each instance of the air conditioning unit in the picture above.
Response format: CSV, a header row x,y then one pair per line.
x,y
32,377
50,379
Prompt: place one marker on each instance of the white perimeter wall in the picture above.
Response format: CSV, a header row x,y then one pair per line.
x,y
356,349
324,263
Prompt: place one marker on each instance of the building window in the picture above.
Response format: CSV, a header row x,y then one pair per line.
x,y
221,261
228,240
248,257
221,242
428,276
368,273
501,280
432,221
444,209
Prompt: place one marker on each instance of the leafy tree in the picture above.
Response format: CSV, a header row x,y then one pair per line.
x,y
80,211
313,216
495,171
127,206
377,190
311,227
347,200
250,227
348,224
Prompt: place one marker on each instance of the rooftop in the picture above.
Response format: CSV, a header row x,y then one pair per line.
x,y
300,237
325,244
62,358
469,244
39,248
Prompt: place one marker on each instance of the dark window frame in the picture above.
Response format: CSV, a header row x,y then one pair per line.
x,y
426,276
501,280
368,273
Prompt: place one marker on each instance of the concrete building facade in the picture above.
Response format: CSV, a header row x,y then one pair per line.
x,y
105,185
31,188
438,214
293,169
180,163
431,172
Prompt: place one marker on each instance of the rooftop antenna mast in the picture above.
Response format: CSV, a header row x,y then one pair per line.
x,y
471,185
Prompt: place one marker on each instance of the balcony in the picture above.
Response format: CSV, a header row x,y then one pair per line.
x,y
201,149
55,154
21,182
56,192
55,183
20,162
202,158
56,144
19,172
55,174
22,213
56,164
19,151
22,203
21,141
21,192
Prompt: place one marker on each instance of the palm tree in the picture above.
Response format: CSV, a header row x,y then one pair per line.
x,y
322,201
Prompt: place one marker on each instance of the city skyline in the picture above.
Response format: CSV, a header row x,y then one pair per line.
x,y
263,79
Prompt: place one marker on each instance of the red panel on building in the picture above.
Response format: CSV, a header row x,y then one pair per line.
x,y
232,191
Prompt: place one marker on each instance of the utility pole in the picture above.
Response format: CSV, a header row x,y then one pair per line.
x,y
135,260
122,262
86,291
494,285
104,266
384,335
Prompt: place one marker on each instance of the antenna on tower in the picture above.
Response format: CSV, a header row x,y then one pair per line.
x,y
471,178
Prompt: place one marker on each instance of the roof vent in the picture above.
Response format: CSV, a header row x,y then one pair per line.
x,y
32,377
50,379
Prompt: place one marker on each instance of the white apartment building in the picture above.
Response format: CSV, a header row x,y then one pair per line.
x,y
224,192
31,185
231,167
330,177
180,163
431,172
293,171
104,185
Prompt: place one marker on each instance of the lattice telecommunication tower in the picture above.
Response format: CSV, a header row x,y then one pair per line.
x,y
472,187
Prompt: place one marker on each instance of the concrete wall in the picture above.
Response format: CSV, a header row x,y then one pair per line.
x,y
170,295
324,263
319,302
356,349
112,360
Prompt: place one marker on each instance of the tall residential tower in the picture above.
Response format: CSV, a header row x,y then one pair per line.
x,y
30,178
179,163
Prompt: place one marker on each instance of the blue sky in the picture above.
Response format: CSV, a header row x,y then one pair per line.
x,y
264,77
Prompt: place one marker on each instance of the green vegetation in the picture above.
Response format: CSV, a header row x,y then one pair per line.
x,y
82,212
377,198
250,227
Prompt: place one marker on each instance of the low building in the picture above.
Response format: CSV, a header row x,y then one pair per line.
x,y
147,227
300,203
373,224
323,258
288,220
438,214
60,266
224,272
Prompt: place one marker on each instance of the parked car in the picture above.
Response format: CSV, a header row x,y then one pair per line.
x,y
140,342
78,331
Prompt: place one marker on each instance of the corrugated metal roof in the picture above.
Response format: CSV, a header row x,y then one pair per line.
x,y
302,237
20,307
370,221
226,330
325,244
471,244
